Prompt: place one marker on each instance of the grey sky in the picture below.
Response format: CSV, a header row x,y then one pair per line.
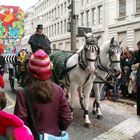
x,y
24,4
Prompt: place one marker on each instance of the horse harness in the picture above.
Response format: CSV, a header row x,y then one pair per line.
x,y
113,49
81,63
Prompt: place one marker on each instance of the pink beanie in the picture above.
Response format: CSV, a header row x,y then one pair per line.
x,y
40,65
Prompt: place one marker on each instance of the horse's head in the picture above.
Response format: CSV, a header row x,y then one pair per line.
x,y
91,50
114,53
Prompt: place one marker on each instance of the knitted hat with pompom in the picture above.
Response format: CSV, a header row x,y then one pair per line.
x,y
40,65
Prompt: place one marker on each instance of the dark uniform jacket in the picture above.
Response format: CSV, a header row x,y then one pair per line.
x,y
40,41
51,117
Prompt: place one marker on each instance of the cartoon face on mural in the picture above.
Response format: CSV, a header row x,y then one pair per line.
x,y
11,26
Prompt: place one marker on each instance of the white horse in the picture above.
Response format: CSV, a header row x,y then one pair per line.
x,y
80,75
108,63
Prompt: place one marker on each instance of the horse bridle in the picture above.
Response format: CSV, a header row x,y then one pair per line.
x,y
89,42
89,59
87,47
111,52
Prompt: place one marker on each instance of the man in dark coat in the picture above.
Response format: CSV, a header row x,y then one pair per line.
x,y
39,40
137,60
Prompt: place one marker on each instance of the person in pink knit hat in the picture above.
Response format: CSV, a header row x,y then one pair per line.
x,y
51,110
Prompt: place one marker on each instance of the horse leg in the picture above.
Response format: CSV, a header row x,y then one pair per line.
x,y
67,92
96,104
96,90
81,97
72,93
86,90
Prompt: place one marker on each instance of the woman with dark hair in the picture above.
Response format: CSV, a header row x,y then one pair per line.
x,y
52,113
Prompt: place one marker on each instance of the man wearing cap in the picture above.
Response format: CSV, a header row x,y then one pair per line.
x,y
39,40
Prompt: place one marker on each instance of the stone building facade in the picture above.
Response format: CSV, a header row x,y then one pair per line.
x,y
118,18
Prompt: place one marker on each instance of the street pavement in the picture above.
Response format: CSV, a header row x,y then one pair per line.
x,y
120,121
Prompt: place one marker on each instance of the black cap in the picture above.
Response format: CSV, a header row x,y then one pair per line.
x,y
138,43
39,26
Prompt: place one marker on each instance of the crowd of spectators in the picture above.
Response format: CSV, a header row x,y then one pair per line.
x,y
123,86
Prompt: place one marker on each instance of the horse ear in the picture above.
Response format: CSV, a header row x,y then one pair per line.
x,y
112,40
120,42
99,36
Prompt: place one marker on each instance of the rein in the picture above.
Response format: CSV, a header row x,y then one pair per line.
x,y
107,70
81,62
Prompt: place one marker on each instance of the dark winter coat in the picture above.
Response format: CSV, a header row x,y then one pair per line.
x,y
51,117
2,65
137,60
40,41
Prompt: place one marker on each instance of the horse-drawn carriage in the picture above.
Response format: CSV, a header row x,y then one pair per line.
x,y
77,71
90,64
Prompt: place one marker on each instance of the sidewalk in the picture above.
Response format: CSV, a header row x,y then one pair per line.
x,y
126,101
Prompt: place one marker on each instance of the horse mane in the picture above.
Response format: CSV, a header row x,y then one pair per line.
x,y
81,48
105,46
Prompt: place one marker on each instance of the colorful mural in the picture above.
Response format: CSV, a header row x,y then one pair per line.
x,y
11,28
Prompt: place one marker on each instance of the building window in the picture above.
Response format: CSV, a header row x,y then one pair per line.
x,y
61,27
82,19
87,16
65,8
54,29
58,11
65,26
137,6
93,16
61,9
122,8
58,28
54,12
100,14
49,30
49,15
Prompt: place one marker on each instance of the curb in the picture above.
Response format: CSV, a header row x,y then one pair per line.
x,y
126,101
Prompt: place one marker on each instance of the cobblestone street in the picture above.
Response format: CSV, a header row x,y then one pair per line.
x,y
116,122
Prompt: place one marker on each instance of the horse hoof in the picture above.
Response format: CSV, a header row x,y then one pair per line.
x,y
88,125
99,117
93,112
